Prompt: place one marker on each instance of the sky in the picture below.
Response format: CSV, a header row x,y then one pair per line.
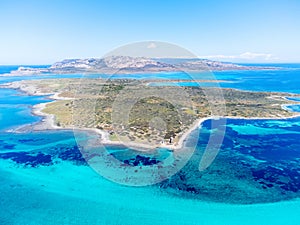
x,y
43,32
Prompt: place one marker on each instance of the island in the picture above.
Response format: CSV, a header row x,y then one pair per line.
x,y
126,64
152,121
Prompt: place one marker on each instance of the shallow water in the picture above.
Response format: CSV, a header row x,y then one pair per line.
x,y
15,108
45,179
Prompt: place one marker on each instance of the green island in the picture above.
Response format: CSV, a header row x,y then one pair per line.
x,y
153,121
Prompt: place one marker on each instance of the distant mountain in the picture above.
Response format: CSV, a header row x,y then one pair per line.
x,y
127,64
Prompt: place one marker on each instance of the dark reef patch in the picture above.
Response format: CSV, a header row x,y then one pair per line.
x,y
256,168
53,155
28,159
285,178
141,161
72,154
134,157
137,160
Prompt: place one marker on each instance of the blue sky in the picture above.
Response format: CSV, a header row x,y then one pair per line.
x,y
42,32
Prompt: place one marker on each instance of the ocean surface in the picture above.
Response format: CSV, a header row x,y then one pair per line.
x,y
255,178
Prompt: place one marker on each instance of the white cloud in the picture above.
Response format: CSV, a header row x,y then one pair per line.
x,y
243,56
251,55
152,45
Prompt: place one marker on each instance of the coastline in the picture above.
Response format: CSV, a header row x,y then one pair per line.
x,y
48,121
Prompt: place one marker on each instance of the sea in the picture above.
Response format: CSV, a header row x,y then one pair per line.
x,y
255,178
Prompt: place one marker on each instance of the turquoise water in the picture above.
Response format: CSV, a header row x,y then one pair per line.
x,y
15,108
254,179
